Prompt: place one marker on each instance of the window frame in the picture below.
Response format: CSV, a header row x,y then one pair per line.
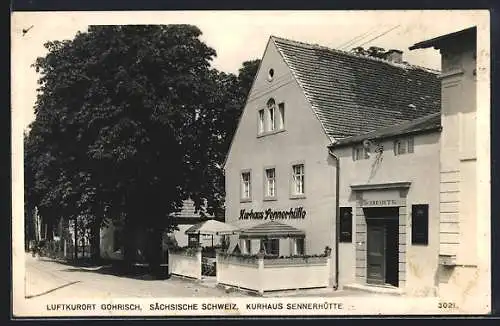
x,y
281,116
293,186
267,196
246,246
242,190
270,241
271,118
409,146
416,238
261,121
364,153
295,246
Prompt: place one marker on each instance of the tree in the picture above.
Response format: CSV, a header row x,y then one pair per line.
x,y
115,123
372,51
246,76
130,121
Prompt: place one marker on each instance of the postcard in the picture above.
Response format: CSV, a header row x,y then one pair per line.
x,y
250,163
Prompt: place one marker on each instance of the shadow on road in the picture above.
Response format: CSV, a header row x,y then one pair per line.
x,y
138,272
51,290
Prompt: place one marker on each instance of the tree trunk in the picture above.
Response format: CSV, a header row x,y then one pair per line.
x,y
76,238
129,247
156,252
95,242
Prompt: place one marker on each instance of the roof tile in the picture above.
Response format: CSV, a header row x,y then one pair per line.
x,y
353,94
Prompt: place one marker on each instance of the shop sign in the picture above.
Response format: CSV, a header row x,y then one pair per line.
x,y
270,214
383,203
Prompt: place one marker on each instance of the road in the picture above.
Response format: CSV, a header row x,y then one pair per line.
x,y
49,279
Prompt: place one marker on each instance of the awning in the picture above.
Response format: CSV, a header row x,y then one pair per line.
x,y
272,230
212,227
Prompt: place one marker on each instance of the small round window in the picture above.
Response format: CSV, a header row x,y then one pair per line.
x,y
270,74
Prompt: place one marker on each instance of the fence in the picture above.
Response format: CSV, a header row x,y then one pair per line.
x,y
262,274
185,262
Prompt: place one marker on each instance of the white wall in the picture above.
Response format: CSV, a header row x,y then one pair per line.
x,y
421,168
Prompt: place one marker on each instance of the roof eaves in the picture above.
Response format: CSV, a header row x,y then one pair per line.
x,y
437,41
244,106
408,128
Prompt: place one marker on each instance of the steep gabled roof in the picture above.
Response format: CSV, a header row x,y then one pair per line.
x,y
353,94
443,40
428,123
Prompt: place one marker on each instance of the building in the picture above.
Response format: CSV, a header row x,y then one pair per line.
x,y
389,206
286,184
459,214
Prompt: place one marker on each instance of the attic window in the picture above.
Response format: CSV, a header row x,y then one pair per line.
x,y
270,74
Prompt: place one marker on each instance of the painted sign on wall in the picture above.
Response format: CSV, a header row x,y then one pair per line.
x,y
383,203
270,214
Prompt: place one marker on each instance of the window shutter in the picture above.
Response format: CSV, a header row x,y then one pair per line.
x,y
420,224
345,224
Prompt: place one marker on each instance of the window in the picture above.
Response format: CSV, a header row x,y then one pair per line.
x,y
271,107
246,246
271,246
270,74
345,224
403,146
261,121
420,224
245,185
193,240
298,246
270,182
360,153
298,179
281,109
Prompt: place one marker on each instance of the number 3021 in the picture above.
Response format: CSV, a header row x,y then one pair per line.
x,y
447,305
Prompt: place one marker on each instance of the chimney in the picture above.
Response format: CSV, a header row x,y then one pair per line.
x,y
393,55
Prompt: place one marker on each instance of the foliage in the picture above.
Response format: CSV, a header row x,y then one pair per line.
x,y
372,51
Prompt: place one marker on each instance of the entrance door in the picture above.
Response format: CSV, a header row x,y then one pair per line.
x,y
382,245
375,253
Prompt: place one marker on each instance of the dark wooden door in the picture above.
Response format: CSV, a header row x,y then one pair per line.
x,y
375,253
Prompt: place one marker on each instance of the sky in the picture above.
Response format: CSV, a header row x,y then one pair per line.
x,y
238,36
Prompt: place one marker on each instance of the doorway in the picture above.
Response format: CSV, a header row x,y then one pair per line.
x,y
382,255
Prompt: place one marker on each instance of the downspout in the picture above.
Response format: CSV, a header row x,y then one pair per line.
x,y
337,219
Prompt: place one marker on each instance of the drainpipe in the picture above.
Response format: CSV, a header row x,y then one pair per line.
x,y
337,219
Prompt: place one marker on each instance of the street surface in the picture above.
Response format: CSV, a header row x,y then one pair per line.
x,y
46,279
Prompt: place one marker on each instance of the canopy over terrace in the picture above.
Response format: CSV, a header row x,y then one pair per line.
x,y
211,227
271,229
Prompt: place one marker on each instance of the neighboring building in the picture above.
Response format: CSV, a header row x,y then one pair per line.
x,y
459,217
389,206
281,177
112,239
